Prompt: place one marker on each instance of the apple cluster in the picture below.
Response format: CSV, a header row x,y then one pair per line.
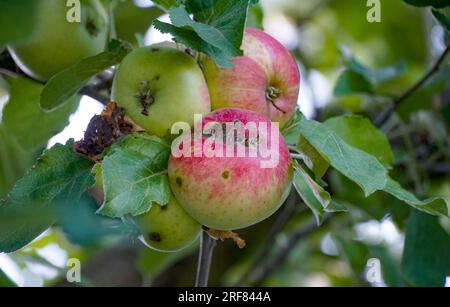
x,y
161,85
164,84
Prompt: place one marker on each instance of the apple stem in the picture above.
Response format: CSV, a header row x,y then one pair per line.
x,y
207,245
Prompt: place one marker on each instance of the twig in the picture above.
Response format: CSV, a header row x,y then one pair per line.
x,y
283,252
279,224
386,113
207,246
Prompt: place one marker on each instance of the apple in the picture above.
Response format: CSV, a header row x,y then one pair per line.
x,y
233,191
163,228
266,79
159,86
168,228
57,43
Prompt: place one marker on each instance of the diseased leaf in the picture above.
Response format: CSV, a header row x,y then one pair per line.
x,y
135,176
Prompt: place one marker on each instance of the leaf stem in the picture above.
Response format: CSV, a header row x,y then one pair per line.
x,y
389,110
207,245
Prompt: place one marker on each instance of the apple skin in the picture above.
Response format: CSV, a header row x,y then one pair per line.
x,y
57,44
174,81
267,69
163,228
168,228
231,193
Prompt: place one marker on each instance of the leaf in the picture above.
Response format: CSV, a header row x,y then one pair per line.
x,y
314,196
166,4
23,117
135,176
70,81
433,206
313,160
5,281
255,17
379,75
59,176
14,161
434,3
17,20
83,227
350,82
443,19
218,32
392,276
359,132
360,167
426,255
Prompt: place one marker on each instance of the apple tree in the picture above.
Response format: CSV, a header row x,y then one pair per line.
x,y
354,110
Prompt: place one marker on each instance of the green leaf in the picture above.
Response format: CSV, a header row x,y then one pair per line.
x,y
377,76
314,196
255,17
360,167
5,281
313,160
23,117
17,20
70,81
359,132
443,19
433,206
351,82
59,176
434,3
14,161
426,255
167,4
135,176
217,31
392,276
83,227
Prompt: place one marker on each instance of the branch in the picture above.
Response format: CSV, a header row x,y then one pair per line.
x,y
207,245
281,221
386,113
283,252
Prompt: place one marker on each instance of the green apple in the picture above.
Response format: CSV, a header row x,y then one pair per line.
x,y
57,43
159,86
168,228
